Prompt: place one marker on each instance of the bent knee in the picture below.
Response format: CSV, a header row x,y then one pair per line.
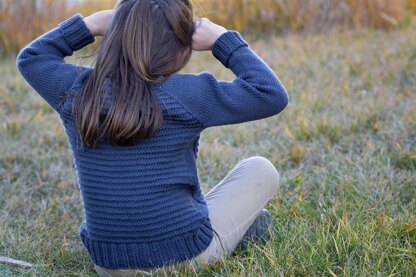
x,y
266,173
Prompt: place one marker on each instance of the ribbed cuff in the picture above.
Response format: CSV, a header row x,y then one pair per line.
x,y
76,33
225,46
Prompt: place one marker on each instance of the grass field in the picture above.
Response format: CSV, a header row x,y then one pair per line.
x,y
345,148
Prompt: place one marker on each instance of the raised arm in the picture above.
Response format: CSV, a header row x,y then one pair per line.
x,y
42,62
256,93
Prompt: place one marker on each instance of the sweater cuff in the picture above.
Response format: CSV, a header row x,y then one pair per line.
x,y
225,46
76,33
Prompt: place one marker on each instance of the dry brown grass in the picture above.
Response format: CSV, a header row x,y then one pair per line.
x,y
296,15
22,20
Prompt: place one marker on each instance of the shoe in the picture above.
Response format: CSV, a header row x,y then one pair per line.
x,y
258,231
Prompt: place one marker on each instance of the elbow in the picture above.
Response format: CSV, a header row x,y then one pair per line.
x,y
25,60
25,55
284,98
20,60
280,99
278,95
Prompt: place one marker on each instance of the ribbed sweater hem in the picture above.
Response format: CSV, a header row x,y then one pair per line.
x,y
150,254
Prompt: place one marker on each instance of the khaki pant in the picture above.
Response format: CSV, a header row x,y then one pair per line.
x,y
233,206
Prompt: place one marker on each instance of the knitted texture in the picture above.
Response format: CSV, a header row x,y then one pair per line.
x,y
143,205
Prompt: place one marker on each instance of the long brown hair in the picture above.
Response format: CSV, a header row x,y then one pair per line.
x,y
148,40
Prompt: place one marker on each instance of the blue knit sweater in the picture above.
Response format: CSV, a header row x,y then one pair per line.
x,y
143,205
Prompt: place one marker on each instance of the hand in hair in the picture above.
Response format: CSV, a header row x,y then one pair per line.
x,y
99,22
206,34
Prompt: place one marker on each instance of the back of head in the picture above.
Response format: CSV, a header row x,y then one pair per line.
x,y
148,40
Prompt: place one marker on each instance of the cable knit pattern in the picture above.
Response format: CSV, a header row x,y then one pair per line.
x,y
143,205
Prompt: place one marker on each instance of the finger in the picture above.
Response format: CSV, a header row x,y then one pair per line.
x,y
198,23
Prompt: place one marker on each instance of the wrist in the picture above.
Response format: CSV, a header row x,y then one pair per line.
x,y
217,36
98,23
91,26
226,45
75,32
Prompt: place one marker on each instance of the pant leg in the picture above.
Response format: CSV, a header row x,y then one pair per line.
x,y
235,203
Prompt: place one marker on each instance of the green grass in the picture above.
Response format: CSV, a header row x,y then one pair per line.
x,y
345,148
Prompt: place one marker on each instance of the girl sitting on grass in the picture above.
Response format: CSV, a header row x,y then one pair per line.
x,y
133,124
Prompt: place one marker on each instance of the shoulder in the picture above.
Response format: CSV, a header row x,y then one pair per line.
x,y
193,92
193,82
191,89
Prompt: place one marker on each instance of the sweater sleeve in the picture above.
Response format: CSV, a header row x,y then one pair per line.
x,y
42,62
256,93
